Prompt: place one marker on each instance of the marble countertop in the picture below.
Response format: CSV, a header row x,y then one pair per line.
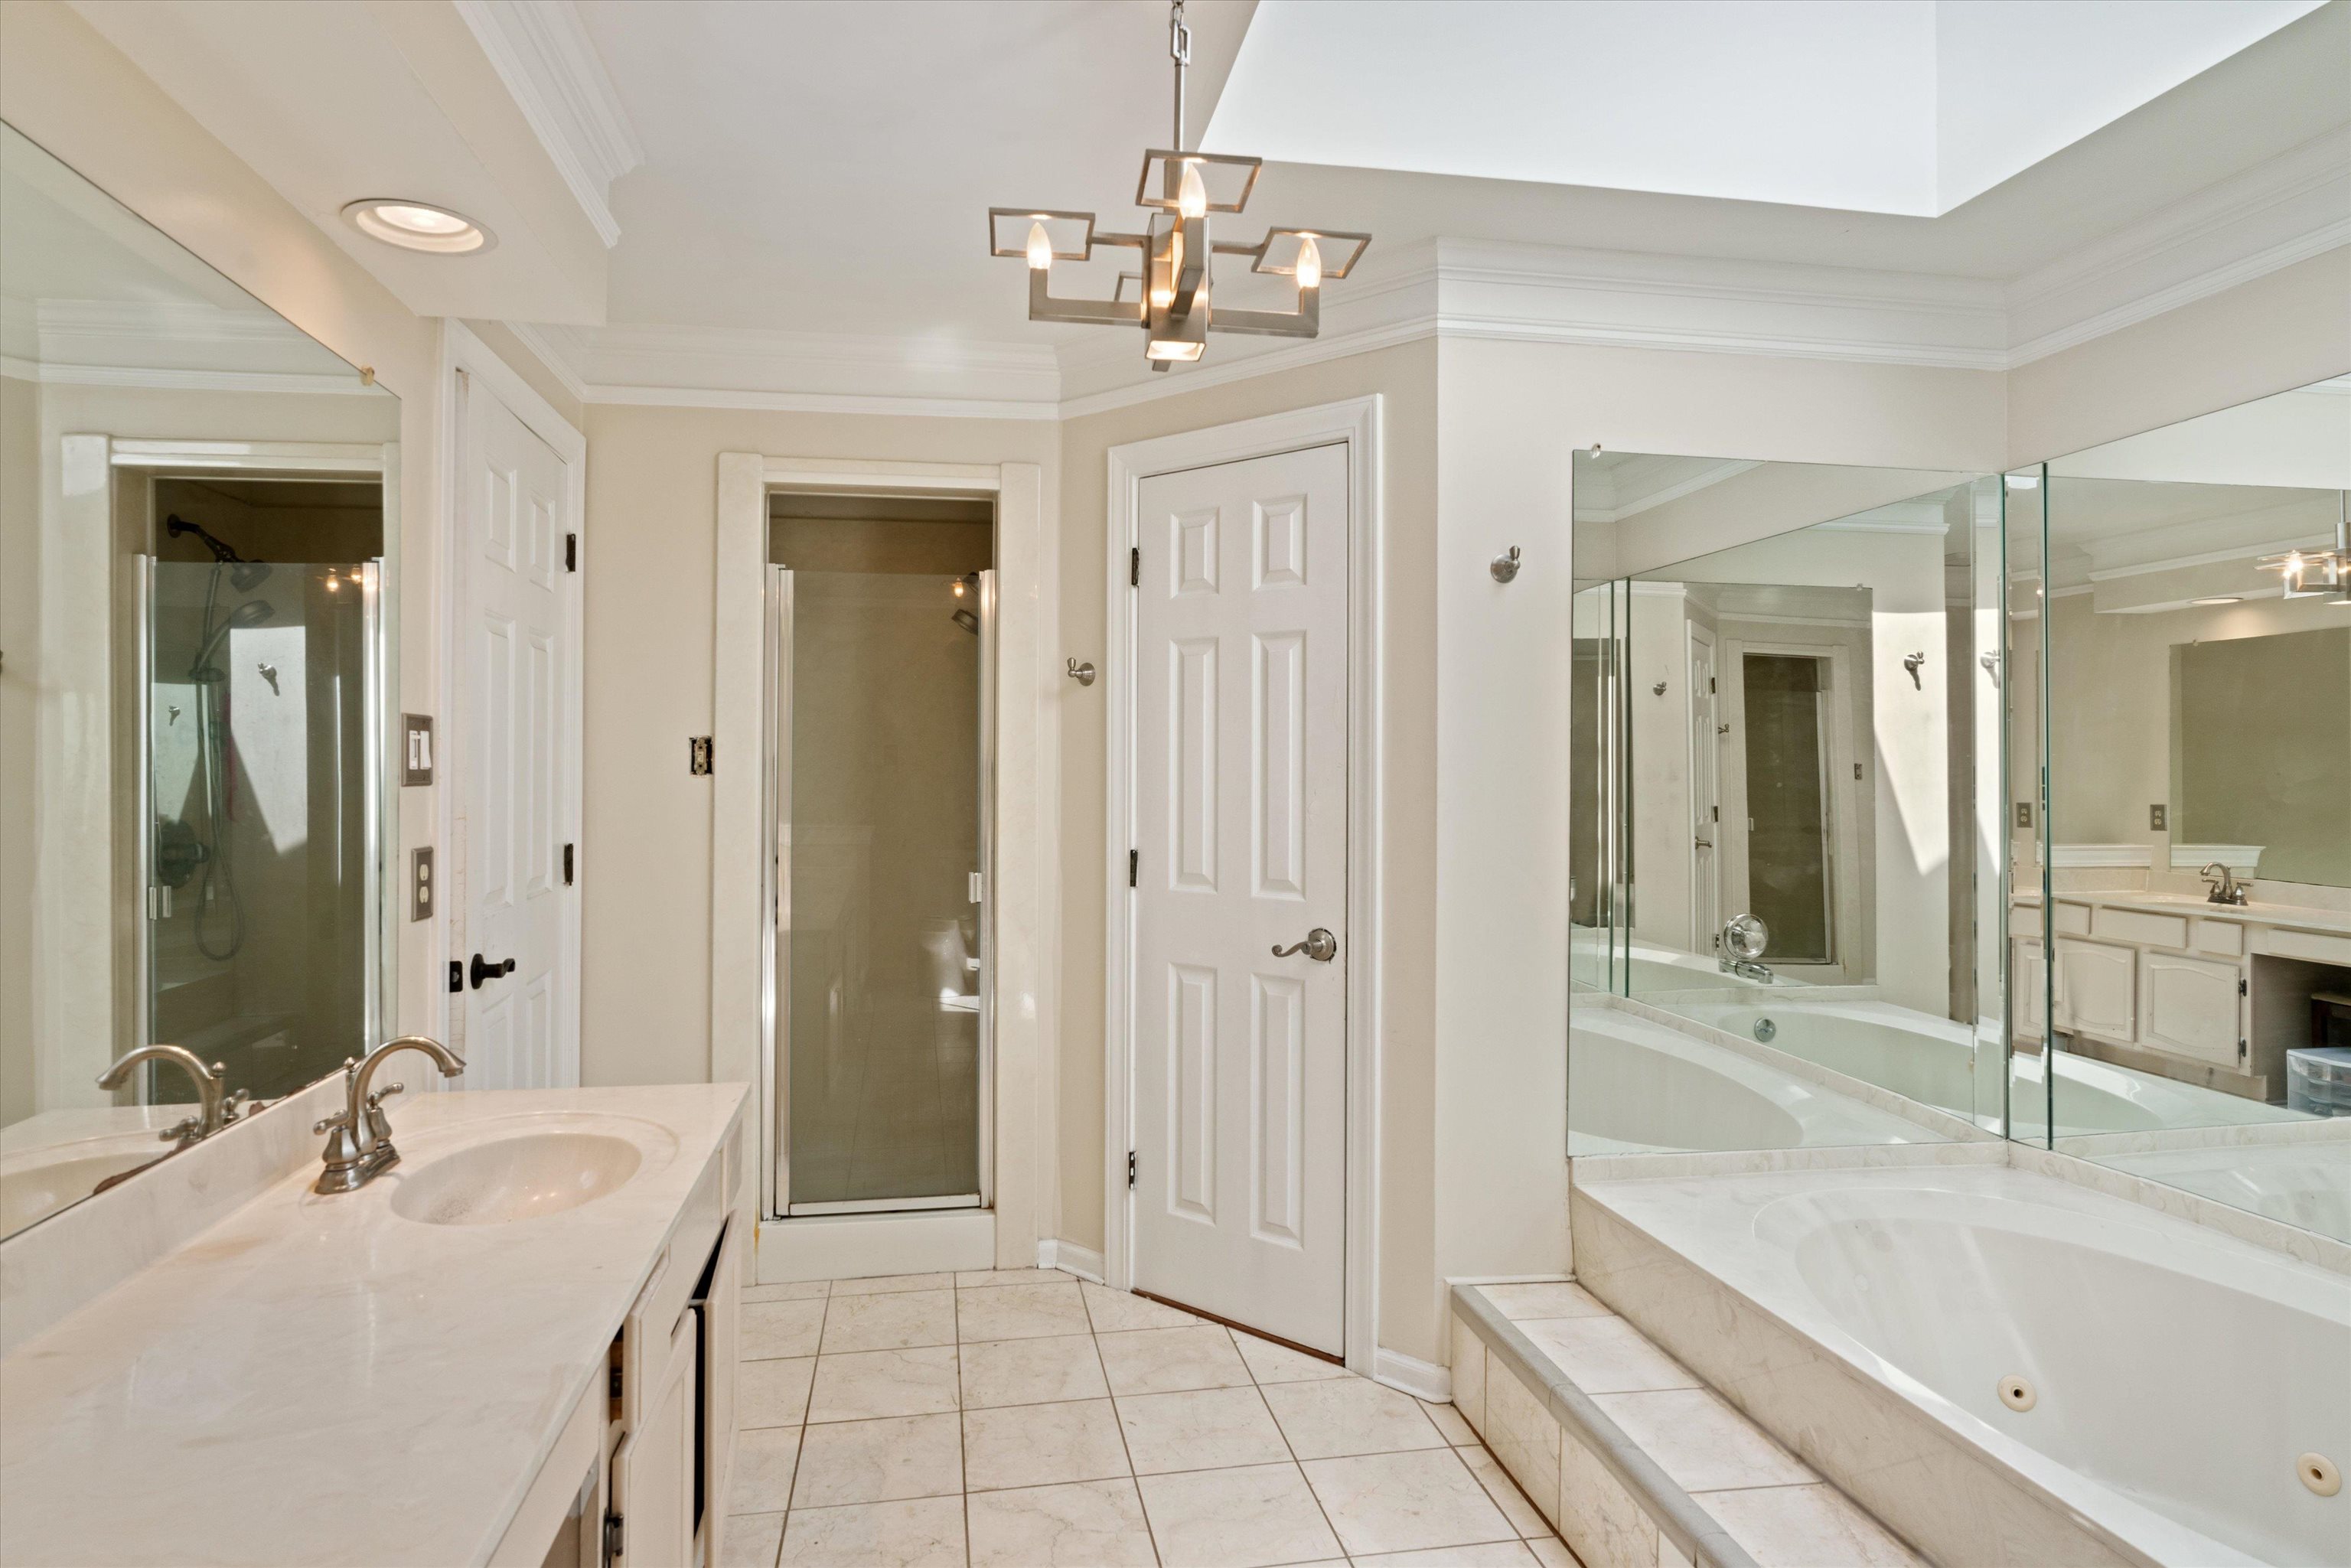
x,y
2260,912
318,1380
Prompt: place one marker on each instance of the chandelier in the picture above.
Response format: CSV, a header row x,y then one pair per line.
x,y
1169,298
2319,573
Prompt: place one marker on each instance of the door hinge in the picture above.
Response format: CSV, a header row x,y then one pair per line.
x,y
1134,567
456,977
566,865
571,552
2241,985
1134,865
613,1535
1130,1167
2241,1051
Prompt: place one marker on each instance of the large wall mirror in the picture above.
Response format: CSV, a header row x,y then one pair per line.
x,y
197,615
1788,694
2197,856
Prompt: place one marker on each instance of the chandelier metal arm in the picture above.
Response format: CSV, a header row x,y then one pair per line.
x,y
1302,322
1043,306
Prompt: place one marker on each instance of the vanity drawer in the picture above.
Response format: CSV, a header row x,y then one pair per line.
x,y
2073,919
2318,947
2147,930
653,1323
2023,920
2225,938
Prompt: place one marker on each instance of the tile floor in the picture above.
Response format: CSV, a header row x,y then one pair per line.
x,y
1023,1420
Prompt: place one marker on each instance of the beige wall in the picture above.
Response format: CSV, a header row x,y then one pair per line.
x,y
652,557
20,605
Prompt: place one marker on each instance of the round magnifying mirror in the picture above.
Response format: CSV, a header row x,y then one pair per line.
x,y
1744,938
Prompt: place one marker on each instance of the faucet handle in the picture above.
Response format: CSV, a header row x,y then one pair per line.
x,y
330,1123
384,1093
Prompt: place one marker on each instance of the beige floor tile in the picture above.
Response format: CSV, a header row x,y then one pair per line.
x,y
895,1321
1485,1554
1020,1312
1119,1312
1797,1526
1087,1524
1551,1552
1606,1356
878,1461
1337,1417
862,1385
1450,1423
764,1458
805,1290
772,1329
1405,1503
1164,1361
927,1532
1042,1445
1032,1371
750,1540
1560,1299
1250,1517
1524,1516
772,1393
1272,1363
1702,1442
984,1279
891,1284
1199,1430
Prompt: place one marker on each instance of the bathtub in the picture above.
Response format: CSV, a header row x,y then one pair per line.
x,y
2306,1182
1871,1319
1933,1060
1637,1086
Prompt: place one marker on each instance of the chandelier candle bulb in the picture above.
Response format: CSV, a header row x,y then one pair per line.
x,y
1040,247
1310,264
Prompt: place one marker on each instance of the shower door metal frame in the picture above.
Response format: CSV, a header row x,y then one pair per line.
x,y
776,902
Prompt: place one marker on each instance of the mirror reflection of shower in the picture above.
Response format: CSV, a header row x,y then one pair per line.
x,y
219,919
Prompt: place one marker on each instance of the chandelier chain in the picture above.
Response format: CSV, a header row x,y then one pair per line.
x,y
1179,49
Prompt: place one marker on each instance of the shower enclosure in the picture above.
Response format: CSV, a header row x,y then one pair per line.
x,y
263,715
881,953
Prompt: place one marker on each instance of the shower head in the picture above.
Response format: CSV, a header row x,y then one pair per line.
x,y
968,621
247,575
252,613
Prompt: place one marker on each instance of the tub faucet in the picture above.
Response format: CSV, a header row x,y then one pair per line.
x,y
213,1110
358,1137
2226,888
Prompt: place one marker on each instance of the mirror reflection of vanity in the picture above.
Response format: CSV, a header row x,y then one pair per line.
x,y
195,614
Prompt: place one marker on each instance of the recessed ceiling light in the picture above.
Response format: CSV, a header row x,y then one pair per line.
x,y
418,225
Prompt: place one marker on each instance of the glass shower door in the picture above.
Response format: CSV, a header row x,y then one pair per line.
x,y
881,948
262,725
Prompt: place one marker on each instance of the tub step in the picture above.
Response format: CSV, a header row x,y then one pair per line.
x,y
1634,1460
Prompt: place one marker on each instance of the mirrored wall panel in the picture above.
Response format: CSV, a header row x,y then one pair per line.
x,y
195,614
2198,852
1787,806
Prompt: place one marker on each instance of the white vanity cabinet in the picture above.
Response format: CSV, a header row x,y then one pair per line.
x,y
2098,988
2192,1007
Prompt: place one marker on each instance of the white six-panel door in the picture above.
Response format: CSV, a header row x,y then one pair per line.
x,y
1239,1075
513,659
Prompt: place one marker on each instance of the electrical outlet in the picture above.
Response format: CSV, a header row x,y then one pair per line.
x,y
698,754
419,883
2024,813
2158,820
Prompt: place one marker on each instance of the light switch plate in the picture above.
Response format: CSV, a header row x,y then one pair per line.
x,y
415,748
419,883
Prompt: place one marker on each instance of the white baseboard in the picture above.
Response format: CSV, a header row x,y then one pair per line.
x,y
1421,1379
1070,1259
857,1246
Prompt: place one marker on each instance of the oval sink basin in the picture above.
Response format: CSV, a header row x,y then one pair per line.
x,y
520,1177
34,1186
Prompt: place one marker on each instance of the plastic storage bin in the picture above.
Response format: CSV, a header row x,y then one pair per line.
x,y
2318,1080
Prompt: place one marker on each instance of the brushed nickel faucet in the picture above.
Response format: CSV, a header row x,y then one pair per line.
x,y
358,1137
2226,888
214,1109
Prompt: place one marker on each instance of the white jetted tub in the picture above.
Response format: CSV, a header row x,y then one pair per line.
x,y
1637,1086
2001,1365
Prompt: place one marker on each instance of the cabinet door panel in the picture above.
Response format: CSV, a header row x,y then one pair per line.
x,y
2028,964
2098,989
652,1471
2190,1006
721,1325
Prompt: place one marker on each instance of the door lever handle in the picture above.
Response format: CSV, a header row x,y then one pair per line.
x,y
479,971
1319,945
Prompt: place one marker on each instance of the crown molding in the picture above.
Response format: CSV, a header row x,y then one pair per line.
x,y
558,349
2287,209
540,49
167,378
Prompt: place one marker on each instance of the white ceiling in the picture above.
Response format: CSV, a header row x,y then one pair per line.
x,y
1886,105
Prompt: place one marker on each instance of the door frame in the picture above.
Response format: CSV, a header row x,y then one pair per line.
x,y
1355,423
467,362
1024,848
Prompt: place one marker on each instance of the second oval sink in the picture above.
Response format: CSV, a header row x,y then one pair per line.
x,y
518,1177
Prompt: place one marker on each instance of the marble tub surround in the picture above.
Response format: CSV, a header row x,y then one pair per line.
x,y
1021,1418
79,1253
1865,1318
316,1379
1636,1462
